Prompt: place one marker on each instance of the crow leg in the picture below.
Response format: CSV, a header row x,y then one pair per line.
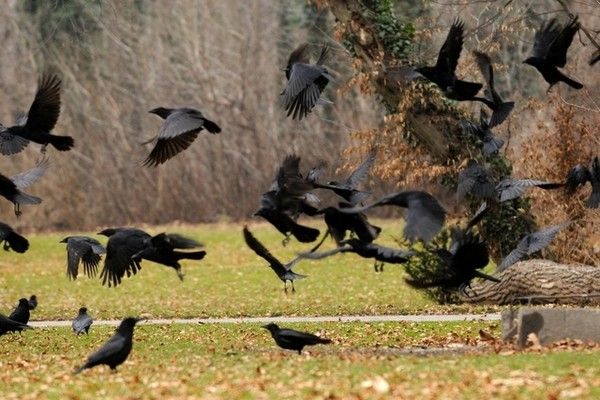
x,y
180,274
44,148
18,210
293,288
286,240
285,287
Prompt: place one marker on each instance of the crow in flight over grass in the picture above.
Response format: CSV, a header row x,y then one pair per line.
x,y
8,325
531,243
12,240
550,47
348,189
305,83
283,271
21,312
10,188
82,322
290,339
177,133
116,350
443,74
39,121
86,250
580,175
424,217
500,108
127,247
491,144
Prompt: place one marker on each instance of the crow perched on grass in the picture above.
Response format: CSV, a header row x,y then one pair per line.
x,y
491,144
12,240
305,83
500,108
284,271
531,243
424,216
178,132
33,302
10,188
550,47
39,121
580,175
21,312
8,325
348,189
127,247
82,322
83,249
443,74
116,350
290,339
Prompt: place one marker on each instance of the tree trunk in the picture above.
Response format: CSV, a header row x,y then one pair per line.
x,y
539,281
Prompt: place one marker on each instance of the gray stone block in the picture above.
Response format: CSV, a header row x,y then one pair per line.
x,y
551,324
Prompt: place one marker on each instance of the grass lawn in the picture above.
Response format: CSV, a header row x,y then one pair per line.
x,y
230,281
241,361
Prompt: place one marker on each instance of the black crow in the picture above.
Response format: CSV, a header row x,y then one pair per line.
x,y
161,249
500,108
180,129
443,74
10,188
530,244
580,175
39,121
287,226
290,339
8,325
467,255
348,189
127,247
491,144
12,240
83,249
305,83
82,322
283,271
550,47
21,312
116,350
476,180
338,223
381,254
424,217
509,188
33,302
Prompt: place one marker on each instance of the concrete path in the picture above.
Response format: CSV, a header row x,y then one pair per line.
x,y
284,320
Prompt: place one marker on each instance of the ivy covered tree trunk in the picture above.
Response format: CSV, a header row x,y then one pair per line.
x,y
381,43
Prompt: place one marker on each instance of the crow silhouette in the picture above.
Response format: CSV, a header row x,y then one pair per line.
x,y
290,339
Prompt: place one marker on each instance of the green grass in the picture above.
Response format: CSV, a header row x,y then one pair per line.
x,y
242,361
230,281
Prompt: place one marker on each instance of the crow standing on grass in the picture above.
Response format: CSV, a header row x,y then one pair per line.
x,y
85,250
37,124
306,82
290,339
500,108
12,240
443,73
116,350
33,302
178,132
82,322
21,312
8,325
284,271
550,47
11,188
